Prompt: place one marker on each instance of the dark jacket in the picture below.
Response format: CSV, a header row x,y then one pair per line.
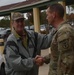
x,y
19,61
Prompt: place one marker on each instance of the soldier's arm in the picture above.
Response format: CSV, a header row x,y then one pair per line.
x,y
66,52
47,59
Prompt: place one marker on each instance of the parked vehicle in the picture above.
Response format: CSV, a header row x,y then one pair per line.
x,y
71,22
29,27
43,28
1,29
5,33
32,27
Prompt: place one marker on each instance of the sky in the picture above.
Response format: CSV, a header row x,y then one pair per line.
x,y
6,2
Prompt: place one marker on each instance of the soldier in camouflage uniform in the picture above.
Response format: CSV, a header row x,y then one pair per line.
x,y
62,49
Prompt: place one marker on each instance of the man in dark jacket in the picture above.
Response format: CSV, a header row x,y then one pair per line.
x,y
22,46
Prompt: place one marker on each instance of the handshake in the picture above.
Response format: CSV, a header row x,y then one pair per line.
x,y
39,60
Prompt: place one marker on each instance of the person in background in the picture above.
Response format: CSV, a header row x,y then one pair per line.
x,y
61,58
22,46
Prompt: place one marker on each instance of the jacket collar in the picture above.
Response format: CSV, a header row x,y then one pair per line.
x,y
16,34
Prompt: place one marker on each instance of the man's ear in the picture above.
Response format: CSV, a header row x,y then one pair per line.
x,y
54,14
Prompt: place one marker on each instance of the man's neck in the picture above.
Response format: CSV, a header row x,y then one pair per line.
x,y
58,22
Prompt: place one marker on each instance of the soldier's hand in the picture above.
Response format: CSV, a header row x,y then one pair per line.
x,y
39,60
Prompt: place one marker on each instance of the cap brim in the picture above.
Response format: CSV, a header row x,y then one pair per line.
x,y
19,18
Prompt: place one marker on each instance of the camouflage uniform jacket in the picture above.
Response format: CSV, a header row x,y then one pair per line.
x,y
62,51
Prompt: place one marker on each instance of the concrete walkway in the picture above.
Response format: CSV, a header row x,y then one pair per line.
x,y
43,70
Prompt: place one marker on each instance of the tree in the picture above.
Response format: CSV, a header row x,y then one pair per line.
x,y
7,17
4,23
30,18
43,17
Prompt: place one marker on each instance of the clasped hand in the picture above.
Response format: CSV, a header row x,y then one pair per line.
x,y
39,60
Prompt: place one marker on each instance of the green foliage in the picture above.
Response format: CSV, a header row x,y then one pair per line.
x,y
72,6
43,17
30,18
27,22
4,23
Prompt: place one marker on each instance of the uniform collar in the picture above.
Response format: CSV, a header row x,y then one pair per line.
x,y
60,25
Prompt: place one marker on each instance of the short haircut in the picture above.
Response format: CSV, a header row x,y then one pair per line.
x,y
57,8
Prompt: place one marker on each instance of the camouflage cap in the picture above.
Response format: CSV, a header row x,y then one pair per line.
x,y
17,15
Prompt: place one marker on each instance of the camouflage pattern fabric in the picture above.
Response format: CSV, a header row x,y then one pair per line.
x,y
62,51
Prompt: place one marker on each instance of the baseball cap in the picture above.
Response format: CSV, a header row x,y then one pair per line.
x,y
17,15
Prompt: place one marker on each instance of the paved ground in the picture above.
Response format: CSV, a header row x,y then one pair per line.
x,y
43,70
